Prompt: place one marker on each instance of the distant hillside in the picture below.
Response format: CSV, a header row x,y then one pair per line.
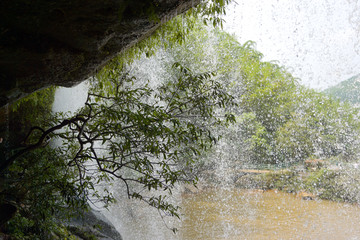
x,y
348,90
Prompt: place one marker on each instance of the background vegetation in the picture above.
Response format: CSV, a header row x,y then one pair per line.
x,y
153,134
278,120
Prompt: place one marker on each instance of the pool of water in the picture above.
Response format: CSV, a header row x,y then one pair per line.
x,y
252,214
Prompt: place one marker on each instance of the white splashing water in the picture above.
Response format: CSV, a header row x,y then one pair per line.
x,y
137,220
70,99
132,218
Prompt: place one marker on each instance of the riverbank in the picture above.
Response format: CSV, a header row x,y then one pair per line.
x,y
327,182
340,185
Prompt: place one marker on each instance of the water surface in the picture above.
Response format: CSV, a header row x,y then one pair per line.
x,y
253,214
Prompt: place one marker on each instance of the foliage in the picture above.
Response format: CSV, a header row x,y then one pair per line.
x,y
284,180
39,100
152,136
280,121
29,111
85,235
39,183
172,32
324,183
335,185
140,135
145,137
328,127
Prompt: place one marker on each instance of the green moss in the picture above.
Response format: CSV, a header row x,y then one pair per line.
x,y
83,234
33,110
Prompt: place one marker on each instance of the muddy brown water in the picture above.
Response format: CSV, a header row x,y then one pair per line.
x,y
252,214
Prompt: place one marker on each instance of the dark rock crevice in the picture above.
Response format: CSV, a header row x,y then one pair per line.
x,y
63,42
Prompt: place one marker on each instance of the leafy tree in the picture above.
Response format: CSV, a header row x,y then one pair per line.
x,y
137,134
320,127
44,190
150,136
280,121
36,183
141,135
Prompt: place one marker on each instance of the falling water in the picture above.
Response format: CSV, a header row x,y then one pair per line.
x,y
137,220
127,215
70,99
220,211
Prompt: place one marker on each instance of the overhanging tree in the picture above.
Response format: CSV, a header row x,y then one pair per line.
x,y
27,172
144,137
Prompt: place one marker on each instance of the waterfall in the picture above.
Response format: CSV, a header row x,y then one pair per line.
x,y
132,218
70,99
135,219
224,211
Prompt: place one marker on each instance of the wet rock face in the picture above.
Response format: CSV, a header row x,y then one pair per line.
x,y
63,42
93,223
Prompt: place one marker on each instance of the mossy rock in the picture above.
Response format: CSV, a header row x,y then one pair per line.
x,y
93,225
